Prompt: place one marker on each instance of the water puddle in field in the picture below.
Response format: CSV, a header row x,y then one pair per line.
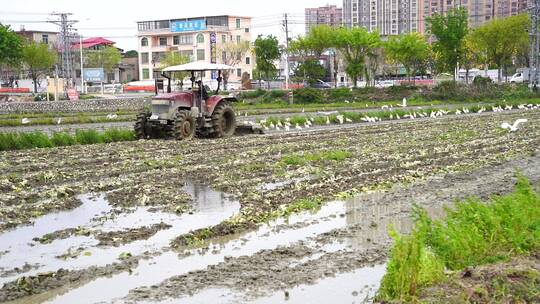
x,y
359,286
310,228
210,208
367,219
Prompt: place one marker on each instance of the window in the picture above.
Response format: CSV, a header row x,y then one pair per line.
x,y
176,40
162,41
239,72
45,39
238,38
200,55
144,58
144,42
223,38
238,56
187,54
200,38
224,56
247,29
145,73
248,60
238,25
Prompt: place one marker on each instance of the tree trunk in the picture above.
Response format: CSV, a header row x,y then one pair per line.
x,y
34,79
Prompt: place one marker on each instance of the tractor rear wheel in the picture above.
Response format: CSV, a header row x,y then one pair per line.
x,y
223,120
140,125
184,125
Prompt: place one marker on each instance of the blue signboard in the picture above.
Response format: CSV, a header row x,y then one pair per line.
x,y
94,75
188,26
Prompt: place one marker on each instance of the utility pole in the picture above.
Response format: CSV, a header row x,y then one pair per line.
x,y
66,36
83,91
535,45
287,72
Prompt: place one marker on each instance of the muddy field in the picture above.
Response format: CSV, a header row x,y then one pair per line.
x,y
224,221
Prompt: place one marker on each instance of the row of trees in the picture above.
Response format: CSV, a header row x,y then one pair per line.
x,y
38,59
497,43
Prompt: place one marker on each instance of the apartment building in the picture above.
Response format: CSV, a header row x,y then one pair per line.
x,y
393,17
388,17
330,15
479,11
198,38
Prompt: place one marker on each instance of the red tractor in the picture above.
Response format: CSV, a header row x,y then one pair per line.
x,y
182,115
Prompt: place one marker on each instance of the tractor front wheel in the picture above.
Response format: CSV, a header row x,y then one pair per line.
x,y
223,120
140,125
184,125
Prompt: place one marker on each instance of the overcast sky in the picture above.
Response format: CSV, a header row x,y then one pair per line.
x,y
115,19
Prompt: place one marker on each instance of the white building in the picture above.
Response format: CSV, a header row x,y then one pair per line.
x,y
199,38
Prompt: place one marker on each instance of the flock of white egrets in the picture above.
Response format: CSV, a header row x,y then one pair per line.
x,y
340,118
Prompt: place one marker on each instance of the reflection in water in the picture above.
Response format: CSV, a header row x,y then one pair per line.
x,y
211,208
373,213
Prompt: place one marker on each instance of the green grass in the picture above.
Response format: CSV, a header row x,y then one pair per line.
x,y
472,233
66,120
21,141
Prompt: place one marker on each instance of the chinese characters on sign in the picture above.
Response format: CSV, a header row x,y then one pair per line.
x,y
188,26
213,52
94,75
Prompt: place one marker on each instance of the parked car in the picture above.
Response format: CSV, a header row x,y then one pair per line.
x,y
319,84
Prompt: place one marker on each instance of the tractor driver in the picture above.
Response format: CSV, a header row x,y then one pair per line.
x,y
202,88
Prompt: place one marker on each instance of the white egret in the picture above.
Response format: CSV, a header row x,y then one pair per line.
x,y
25,121
515,126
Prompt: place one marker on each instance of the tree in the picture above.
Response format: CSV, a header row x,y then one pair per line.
x,y
502,39
411,50
471,55
311,71
131,54
38,60
267,52
450,31
233,54
10,47
309,49
107,58
174,58
354,45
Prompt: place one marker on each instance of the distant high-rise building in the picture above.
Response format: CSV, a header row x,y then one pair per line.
x,y
388,17
479,11
330,15
393,17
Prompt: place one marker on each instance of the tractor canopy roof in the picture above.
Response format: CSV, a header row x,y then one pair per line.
x,y
198,66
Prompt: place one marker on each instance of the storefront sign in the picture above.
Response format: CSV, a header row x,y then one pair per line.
x,y
188,26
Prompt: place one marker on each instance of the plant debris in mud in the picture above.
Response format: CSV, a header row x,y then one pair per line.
x,y
106,239
30,285
515,281
472,233
117,238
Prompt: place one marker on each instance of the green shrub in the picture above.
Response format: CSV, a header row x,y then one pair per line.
x,y
308,95
62,139
340,94
115,135
252,94
481,81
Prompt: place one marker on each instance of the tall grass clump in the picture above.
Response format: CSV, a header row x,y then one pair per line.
x,y
472,233
20,141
